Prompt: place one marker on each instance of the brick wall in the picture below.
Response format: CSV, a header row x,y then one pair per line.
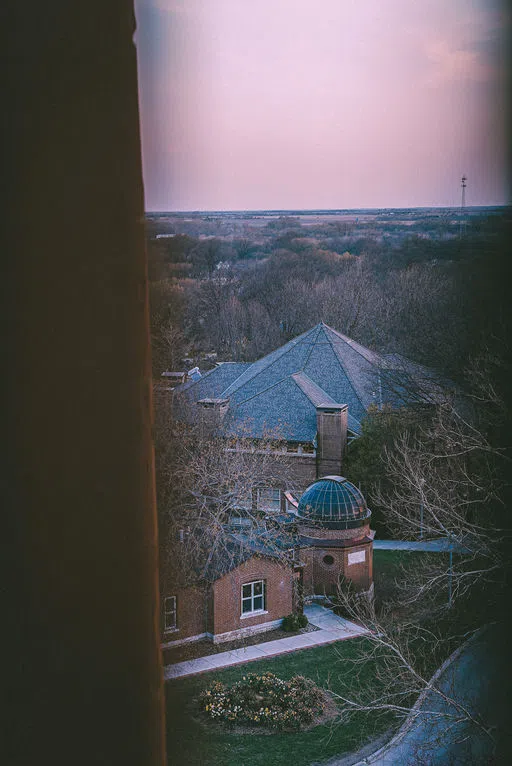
x,y
361,573
300,470
227,594
191,612
332,439
321,577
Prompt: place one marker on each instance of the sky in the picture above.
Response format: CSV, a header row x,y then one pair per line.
x,y
323,104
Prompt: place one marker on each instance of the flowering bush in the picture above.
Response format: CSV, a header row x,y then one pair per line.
x,y
265,700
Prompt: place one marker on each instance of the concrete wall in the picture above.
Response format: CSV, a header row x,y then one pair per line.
x,y
334,534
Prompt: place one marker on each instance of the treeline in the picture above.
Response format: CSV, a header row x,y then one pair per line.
x,y
437,301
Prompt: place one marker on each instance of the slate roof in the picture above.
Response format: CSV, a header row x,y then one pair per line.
x,y
236,549
212,383
279,393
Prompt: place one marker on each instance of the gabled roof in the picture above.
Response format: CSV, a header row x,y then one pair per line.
x,y
235,550
279,393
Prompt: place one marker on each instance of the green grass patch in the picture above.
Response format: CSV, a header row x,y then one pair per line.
x,y
392,567
452,625
193,740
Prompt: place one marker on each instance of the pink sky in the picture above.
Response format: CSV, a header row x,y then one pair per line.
x,y
287,104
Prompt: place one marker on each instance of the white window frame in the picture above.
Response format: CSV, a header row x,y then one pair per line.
x,y
168,612
264,503
251,597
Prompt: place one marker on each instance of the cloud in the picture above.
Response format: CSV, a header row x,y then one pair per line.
x,y
449,64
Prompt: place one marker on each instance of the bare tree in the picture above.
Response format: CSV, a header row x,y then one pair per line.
x,y
443,482
167,347
207,489
442,479
405,655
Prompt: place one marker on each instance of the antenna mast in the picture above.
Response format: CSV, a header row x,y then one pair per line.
x,y
462,205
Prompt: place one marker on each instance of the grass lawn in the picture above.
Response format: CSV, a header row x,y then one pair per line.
x,y
194,742
456,623
389,566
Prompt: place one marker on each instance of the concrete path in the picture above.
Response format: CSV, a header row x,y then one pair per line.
x,y
332,628
439,546
474,677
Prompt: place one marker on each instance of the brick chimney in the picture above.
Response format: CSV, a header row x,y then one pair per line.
x,y
331,426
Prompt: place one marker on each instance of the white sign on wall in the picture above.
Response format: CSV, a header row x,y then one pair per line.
x,y
355,558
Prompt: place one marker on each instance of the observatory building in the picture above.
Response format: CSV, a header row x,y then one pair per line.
x,y
335,537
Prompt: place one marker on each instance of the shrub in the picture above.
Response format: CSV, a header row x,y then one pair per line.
x,y
293,622
302,620
265,700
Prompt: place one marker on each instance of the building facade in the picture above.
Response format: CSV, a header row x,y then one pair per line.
x,y
335,537
251,597
309,398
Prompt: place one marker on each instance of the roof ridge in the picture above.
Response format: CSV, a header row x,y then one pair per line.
x,y
349,375
328,399
319,326
235,380
264,391
358,347
278,352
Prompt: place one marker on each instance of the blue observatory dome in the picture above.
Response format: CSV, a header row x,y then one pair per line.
x,y
333,502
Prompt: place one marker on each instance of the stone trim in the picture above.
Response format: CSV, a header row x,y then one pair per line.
x,y
178,641
231,635
256,613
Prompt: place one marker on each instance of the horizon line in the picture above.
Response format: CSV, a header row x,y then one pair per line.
x,y
325,210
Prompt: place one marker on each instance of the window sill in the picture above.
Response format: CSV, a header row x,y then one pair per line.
x,y
171,630
253,614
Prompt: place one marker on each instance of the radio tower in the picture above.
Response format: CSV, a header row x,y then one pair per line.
x,y
462,205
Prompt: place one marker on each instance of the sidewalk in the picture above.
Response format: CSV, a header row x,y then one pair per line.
x,y
436,733
439,546
332,628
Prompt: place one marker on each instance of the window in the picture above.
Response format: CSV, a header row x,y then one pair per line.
x,y
269,499
328,560
253,597
170,613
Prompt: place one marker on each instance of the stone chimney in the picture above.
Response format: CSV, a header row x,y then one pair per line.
x,y
331,426
212,411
